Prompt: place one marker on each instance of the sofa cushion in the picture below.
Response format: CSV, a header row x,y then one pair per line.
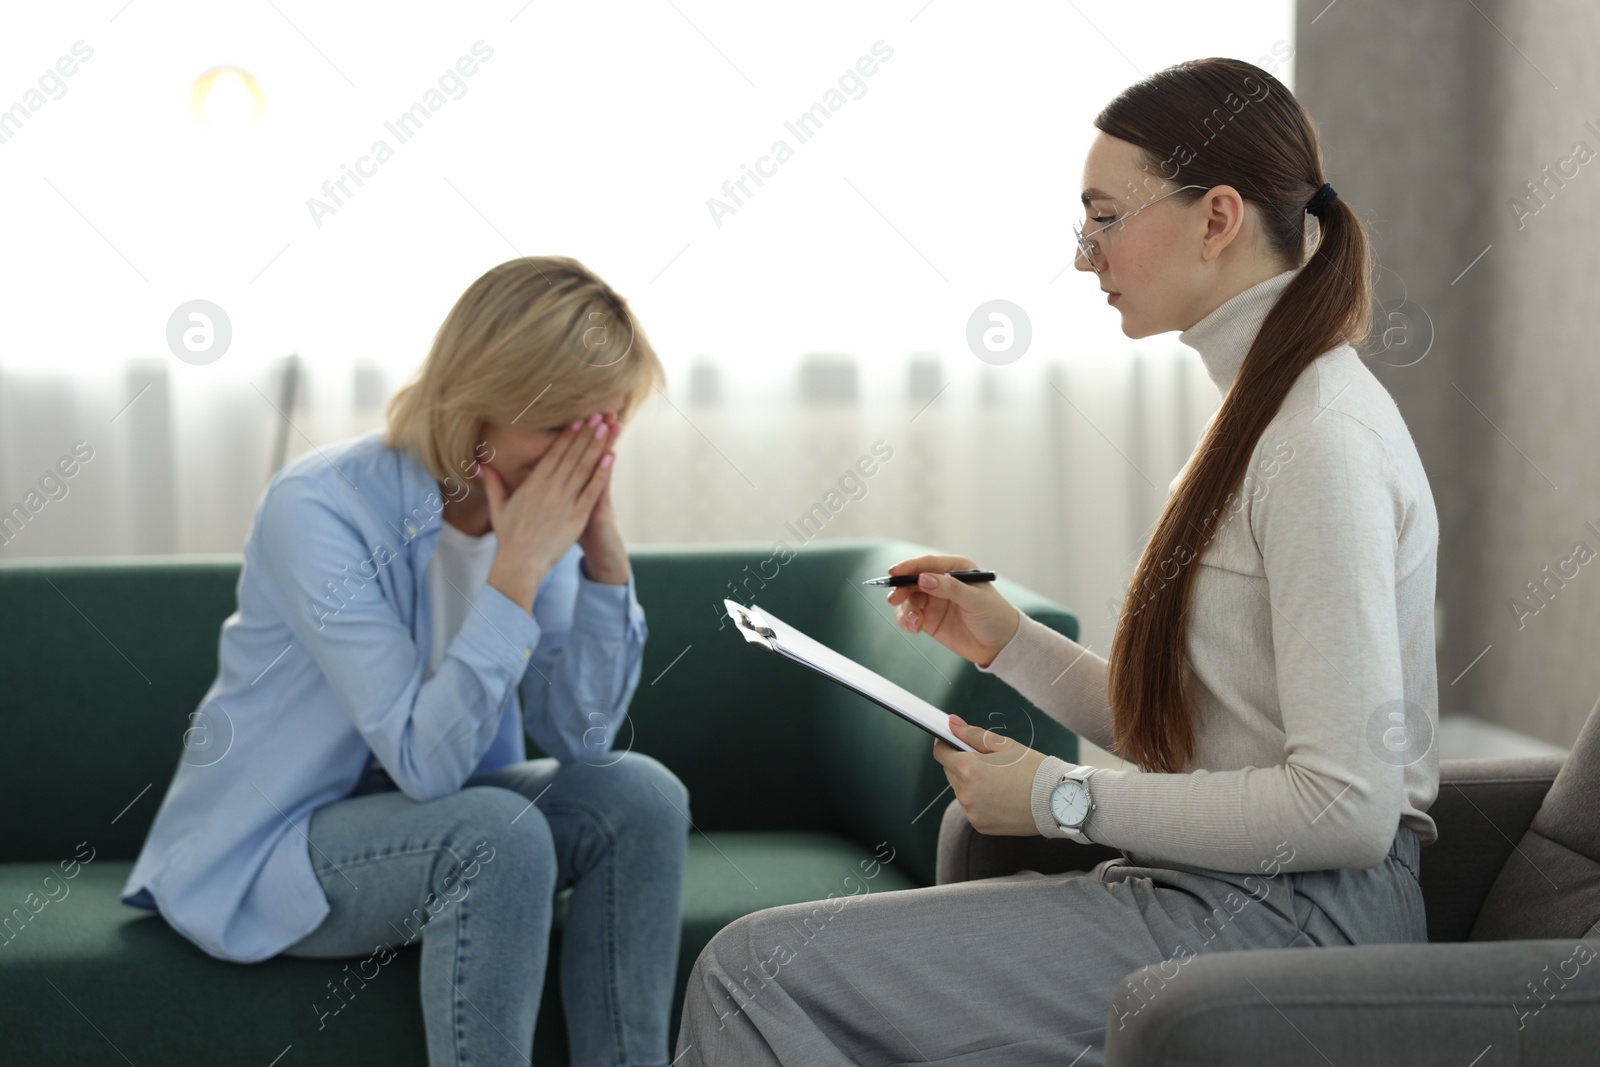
x,y
1550,886
89,980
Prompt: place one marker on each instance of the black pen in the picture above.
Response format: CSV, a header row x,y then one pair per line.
x,y
911,579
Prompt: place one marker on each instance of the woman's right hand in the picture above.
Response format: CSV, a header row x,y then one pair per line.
x,y
971,620
536,524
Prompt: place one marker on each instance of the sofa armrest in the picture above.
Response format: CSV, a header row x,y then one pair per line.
x,y
1483,808
965,854
1038,607
1534,1003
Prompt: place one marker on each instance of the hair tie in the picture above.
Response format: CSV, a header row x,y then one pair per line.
x,y
1321,199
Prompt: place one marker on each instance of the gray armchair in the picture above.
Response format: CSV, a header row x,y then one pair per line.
x,y
1512,890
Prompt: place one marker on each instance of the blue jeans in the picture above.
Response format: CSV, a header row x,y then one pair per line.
x,y
473,875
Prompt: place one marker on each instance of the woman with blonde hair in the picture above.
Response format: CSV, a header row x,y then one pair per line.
x,y
413,602
1271,679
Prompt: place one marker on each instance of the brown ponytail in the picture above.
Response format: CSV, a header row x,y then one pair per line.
x,y
1261,141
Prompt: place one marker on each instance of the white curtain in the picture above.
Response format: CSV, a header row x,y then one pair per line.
x,y
165,153
1048,471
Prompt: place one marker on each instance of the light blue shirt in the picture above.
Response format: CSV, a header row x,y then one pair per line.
x,y
320,675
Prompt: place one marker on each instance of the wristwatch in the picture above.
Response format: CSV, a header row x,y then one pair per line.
x,y
1071,802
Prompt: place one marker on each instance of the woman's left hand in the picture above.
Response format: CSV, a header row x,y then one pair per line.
x,y
993,784
605,555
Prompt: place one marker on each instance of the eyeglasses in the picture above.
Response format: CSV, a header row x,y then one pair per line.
x,y
1089,249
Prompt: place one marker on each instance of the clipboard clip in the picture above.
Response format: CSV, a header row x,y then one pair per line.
x,y
751,624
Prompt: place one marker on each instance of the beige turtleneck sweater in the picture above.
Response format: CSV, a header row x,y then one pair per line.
x,y
1310,638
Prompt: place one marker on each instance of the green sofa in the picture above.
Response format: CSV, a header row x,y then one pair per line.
x,y
793,783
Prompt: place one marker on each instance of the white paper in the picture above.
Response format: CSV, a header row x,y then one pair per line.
x,y
790,642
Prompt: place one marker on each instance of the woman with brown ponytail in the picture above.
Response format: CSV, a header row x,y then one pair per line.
x,y
1271,685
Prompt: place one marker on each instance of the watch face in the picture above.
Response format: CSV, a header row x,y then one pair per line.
x,y
1069,803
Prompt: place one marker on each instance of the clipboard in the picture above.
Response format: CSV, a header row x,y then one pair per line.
x,y
765,630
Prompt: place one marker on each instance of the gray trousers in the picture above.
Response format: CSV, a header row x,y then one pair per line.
x,y
1022,969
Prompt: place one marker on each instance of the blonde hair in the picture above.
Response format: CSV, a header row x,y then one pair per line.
x,y
535,341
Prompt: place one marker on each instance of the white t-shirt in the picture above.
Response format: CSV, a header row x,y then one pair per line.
x,y
455,574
